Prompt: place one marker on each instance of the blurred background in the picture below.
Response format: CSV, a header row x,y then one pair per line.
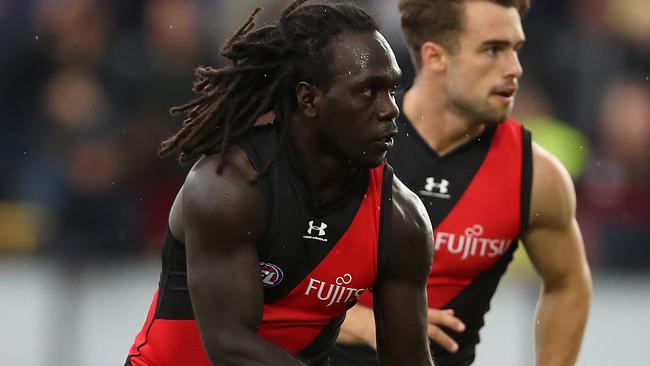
x,y
85,86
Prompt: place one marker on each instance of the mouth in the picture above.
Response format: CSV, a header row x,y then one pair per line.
x,y
387,140
507,94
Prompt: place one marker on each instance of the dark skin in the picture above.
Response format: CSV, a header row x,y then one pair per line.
x,y
335,131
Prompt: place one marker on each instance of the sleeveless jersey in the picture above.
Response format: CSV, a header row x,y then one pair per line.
x,y
478,199
316,259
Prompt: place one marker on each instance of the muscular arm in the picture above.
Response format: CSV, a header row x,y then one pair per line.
x,y
554,245
400,305
223,217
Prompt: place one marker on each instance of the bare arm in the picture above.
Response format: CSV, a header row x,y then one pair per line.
x,y
223,217
400,302
554,245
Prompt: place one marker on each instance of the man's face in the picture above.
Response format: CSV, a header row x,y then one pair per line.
x,y
357,113
482,76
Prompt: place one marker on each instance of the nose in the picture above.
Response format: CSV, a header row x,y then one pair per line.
x,y
514,69
387,108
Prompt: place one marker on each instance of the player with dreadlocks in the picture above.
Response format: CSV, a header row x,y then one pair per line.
x,y
278,229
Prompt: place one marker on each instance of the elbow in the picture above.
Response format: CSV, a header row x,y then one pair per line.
x,y
587,286
586,293
584,287
575,289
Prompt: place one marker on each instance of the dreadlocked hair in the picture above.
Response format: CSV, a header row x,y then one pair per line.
x,y
266,65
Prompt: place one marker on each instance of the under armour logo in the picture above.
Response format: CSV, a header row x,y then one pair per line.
x,y
321,228
441,187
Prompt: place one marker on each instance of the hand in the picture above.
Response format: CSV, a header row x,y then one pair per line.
x,y
359,327
447,319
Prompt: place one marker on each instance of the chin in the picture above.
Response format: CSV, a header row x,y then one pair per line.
x,y
497,117
494,113
372,162
499,120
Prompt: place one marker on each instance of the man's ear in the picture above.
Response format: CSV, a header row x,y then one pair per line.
x,y
306,95
434,57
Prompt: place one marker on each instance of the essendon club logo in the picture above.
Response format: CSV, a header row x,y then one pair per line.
x,y
271,274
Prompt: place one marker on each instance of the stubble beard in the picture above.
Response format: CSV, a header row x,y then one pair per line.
x,y
479,112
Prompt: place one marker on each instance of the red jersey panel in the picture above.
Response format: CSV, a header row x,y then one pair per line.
x,y
484,223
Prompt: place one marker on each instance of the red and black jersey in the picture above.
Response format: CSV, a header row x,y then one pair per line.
x,y
478,199
316,259
476,239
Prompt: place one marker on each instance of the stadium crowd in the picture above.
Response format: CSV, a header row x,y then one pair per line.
x,y
85,88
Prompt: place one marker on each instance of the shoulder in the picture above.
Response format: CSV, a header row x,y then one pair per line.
x,y
410,249
553,194
410,217
237,168
223,198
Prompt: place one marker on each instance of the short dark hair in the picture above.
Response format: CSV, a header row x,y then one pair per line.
x,y
440,21
267,63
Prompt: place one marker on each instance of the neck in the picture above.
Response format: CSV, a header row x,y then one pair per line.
x,y
326,173
441,128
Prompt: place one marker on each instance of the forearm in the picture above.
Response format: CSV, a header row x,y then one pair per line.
x,y
560,321
358,327
402,326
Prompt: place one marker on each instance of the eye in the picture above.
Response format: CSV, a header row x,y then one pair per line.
x,y
492,51
368,92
